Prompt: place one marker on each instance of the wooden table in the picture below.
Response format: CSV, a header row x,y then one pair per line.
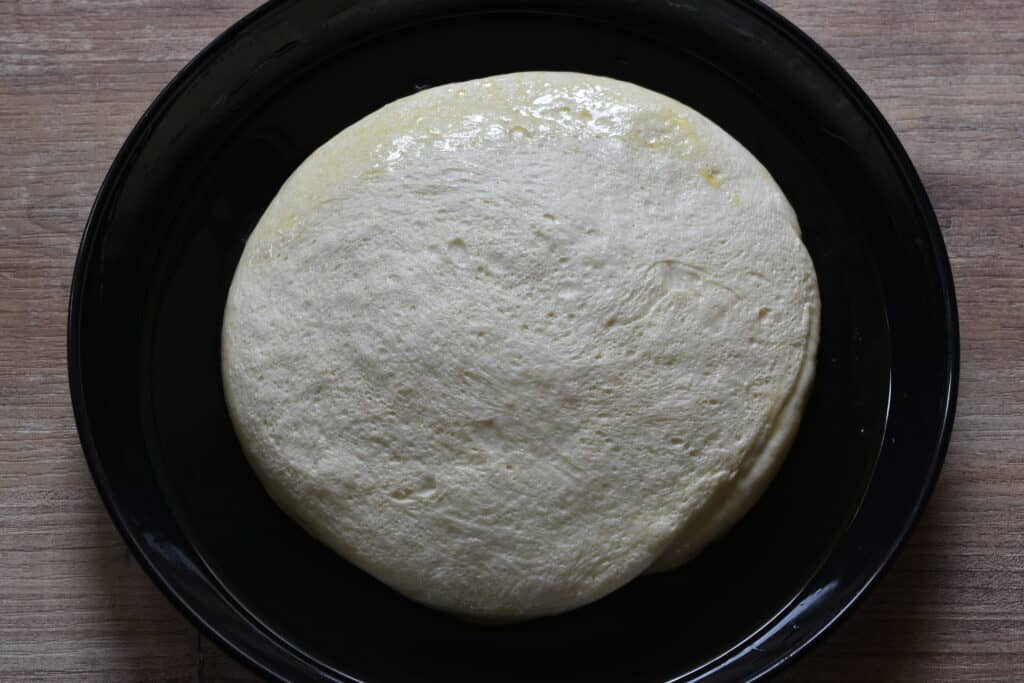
x,y
75,76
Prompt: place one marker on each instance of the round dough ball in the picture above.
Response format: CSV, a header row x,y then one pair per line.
x,y
505,343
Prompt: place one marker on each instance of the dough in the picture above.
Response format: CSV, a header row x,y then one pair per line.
x,y
507,344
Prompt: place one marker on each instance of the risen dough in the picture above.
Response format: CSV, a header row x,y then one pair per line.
x,y
505,343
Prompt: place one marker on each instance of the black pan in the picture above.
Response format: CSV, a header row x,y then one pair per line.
x,y
196,173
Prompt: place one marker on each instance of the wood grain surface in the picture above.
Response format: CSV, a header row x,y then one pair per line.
x,y
74,77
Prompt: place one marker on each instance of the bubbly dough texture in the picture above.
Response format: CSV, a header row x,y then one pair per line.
x,y
507,344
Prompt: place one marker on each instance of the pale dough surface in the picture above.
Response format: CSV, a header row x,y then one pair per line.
x,y
507,344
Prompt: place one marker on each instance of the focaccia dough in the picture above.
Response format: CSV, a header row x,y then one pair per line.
x,y
505,343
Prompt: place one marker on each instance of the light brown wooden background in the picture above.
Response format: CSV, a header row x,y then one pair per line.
x,y
76,74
